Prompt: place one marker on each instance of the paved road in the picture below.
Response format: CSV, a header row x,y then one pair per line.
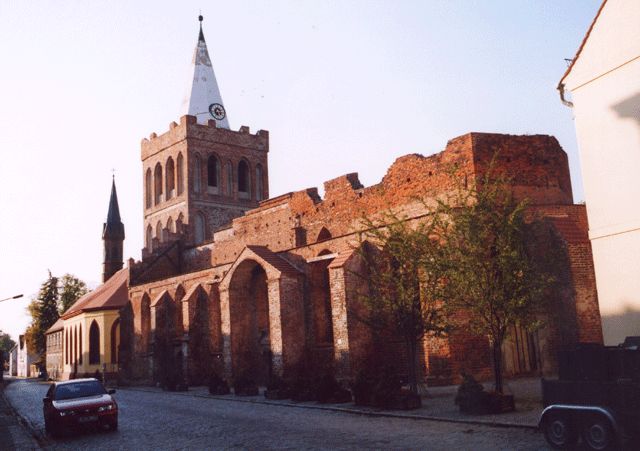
x,y
175,421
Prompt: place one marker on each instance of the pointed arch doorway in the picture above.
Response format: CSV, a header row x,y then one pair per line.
x,y
251,354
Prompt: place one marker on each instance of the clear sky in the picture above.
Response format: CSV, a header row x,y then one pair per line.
x,y
342,86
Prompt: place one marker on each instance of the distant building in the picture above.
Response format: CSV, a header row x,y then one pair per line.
x,y
604,82
91,330
54,339
25,359
13,361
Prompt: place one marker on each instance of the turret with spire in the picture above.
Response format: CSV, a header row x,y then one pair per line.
x,y
113,237
203,99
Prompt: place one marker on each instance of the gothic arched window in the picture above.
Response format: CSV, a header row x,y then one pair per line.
x,y
197,171
213,171
94,344
170,226
229,179
159,231
324,235
243,178
147,188
171,178
157,183
115,340
180,174
149,238
199,228
80,345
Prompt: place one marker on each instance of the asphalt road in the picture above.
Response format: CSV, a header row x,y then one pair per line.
x,y
163,420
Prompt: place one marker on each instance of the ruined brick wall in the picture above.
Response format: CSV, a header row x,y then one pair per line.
x,y
302,226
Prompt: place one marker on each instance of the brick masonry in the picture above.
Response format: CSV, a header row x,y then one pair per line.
x,y
277,277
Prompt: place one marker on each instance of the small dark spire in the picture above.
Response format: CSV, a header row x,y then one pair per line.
x,y
201,35
113,228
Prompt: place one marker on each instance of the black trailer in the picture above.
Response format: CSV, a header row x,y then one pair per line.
x,y
596,399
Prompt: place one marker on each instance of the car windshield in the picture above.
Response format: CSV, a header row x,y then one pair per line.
x,y
79,390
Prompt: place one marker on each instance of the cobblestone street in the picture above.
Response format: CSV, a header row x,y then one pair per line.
x,y
172,420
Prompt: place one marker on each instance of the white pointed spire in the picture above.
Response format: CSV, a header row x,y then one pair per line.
x,y
203,99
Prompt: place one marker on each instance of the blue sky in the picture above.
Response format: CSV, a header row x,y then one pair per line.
x,y
342,86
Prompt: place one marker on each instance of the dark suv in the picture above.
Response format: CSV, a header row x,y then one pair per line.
x,y
79,402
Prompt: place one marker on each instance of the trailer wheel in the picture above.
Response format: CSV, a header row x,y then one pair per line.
x,y
598,433
560,431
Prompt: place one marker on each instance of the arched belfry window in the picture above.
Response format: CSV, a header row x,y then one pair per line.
x,y
244,187
171,179
180,175
148,193
159,231
259,189
199,228
213,172
94,344
157,184
197,172
149,238
229,179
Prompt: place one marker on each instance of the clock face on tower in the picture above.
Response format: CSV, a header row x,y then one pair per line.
x,y
217,111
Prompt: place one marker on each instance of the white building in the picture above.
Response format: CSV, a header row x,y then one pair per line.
x,y
603,85
25,359
13,361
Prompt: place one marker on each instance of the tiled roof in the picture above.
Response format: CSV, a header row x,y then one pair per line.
x,y
112,294
55,327
582,44
342,258
274,260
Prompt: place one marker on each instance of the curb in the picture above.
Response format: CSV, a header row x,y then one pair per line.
x,y
501,424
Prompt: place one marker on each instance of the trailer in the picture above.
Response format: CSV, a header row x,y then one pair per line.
x,y
596,399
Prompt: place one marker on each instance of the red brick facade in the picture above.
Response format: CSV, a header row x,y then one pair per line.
x,y
274,281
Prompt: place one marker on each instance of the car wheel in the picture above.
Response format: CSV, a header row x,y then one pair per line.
x,y
598,433
560,431
114,426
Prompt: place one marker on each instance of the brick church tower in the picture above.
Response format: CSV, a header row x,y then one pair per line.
x,y
113,237
200,174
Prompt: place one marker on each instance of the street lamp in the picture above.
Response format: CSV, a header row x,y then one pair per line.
x,y
12,297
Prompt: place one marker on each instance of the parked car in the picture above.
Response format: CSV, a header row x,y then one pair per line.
x,y
79,403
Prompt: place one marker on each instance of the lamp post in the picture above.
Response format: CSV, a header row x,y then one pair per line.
x,y
12,297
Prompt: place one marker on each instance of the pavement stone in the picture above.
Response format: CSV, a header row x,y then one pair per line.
x,y
155,420
437,405
13,434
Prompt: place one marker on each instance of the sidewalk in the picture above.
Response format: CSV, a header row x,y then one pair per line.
x,y
13,435
437,405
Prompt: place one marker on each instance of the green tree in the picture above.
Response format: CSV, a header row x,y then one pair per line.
x,y
404,272
498,275
44,312
71,289
6,343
